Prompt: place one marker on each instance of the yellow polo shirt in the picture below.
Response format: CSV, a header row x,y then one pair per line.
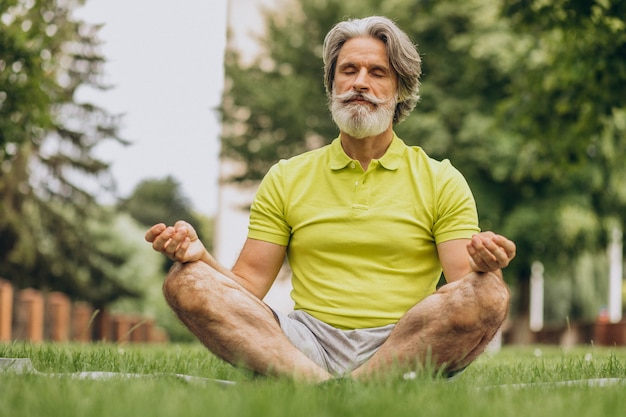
x,y
362,244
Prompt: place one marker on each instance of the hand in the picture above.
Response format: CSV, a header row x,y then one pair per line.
x,y
490,252
180,243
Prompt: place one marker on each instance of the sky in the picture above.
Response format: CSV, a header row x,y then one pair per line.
x,y
165,66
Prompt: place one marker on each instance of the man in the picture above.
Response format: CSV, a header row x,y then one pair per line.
x,y
368,225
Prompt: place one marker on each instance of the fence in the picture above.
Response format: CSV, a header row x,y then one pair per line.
x,y
33,316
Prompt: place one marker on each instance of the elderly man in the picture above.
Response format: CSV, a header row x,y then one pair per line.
x,y
368,225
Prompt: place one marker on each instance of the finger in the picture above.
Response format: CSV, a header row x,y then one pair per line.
x,y
486,235
182,223
486,255
507,245
191,231
502,248
154,231
181,251
162,240
499,244
179,235
476,261
484,246
478,264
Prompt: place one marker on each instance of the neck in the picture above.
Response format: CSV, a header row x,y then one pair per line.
x,y
366,149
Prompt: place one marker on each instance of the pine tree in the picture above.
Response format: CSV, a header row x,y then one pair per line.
x,y
48,175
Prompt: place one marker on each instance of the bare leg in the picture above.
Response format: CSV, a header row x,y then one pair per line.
x,y
446,331
234,324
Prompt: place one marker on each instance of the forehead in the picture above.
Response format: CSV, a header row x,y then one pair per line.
x,y
363,50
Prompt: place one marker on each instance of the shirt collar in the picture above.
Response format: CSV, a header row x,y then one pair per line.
x,y
390,160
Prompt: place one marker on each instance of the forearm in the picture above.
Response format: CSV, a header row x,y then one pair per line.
x,y
208,259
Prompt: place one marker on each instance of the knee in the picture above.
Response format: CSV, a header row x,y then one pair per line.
x,y
494,295
483,302
171,281
182,287
493,298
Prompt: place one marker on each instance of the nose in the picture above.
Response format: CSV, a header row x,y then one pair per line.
x,y
360,81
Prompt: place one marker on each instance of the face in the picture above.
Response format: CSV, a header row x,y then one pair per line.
x,y
364,88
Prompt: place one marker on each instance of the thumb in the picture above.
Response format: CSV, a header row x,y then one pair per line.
x,y
191,232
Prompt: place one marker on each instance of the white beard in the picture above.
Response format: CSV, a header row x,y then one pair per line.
x,y
357,120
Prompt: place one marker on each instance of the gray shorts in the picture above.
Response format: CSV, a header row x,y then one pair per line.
x,y
337,351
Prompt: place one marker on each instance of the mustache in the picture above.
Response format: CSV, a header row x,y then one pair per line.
x,y
349,96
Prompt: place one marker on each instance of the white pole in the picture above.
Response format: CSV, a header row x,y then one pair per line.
x,y
615,276
536,296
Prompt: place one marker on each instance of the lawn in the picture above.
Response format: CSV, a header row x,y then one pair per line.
x,y
517,381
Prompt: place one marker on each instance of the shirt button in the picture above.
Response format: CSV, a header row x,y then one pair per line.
x,y
352,165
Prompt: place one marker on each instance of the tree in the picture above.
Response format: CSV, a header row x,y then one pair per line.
x,y
566,114
158,201
48,175
24,105
568,105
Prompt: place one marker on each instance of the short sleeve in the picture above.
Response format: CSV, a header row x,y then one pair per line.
x,y
267,219
456,216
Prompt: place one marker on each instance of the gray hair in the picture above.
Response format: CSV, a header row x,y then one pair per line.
x,y
402,53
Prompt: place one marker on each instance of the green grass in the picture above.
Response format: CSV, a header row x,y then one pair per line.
x,y
486,389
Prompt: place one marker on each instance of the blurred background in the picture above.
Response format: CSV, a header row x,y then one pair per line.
x,y
118,115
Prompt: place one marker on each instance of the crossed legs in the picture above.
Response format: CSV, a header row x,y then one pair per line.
x,y
446,330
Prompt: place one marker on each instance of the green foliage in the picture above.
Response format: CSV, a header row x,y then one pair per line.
x,y
24,104
275,108
48,174
158,201
566,99
565,108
